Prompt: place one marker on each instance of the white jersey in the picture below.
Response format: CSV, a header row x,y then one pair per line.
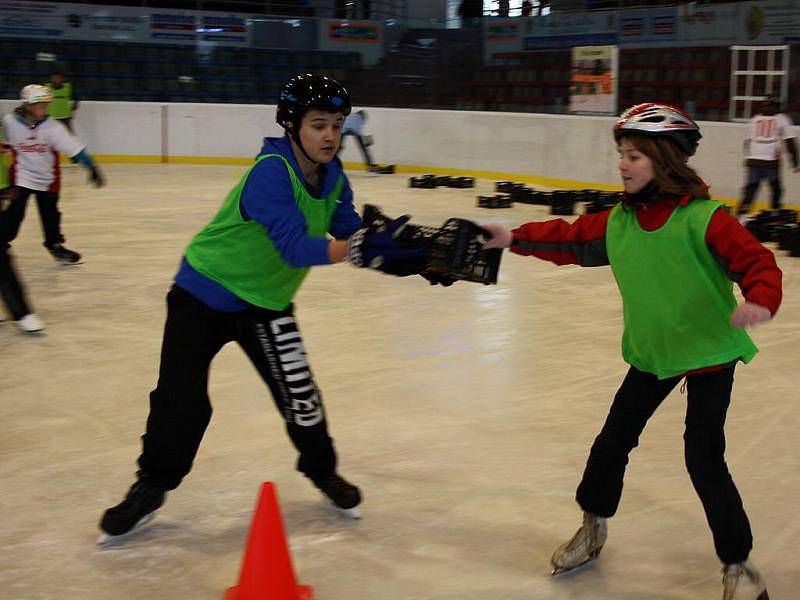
x,y
354,123
766,136
36,150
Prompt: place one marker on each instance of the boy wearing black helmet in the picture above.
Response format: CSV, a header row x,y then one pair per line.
x,y
766,132
674,254
236,283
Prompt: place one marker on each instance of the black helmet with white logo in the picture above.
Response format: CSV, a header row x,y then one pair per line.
x,y
304,92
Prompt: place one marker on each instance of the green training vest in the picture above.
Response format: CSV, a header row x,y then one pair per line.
x,y
61,106
677,300
240,256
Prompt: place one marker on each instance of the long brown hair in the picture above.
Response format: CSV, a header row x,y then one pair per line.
x,y
670,170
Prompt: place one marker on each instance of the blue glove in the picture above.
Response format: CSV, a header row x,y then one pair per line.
x,y
379,247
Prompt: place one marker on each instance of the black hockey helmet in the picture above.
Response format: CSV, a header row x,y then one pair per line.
x,y
660,120
771,105
304,92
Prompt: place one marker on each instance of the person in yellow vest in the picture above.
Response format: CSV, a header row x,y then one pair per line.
x,y
64,103
675,255
11,289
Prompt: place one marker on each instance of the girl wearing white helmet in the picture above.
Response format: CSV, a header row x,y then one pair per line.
x,y
674,254
35,141
11,289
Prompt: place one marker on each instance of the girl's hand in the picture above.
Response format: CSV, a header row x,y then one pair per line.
x,y
500,236
748,314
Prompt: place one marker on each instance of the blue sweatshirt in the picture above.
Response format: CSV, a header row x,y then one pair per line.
x,y
268,199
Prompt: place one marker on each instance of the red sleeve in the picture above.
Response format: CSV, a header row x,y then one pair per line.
x,y
582,242
746,260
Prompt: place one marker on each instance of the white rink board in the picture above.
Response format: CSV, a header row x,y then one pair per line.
x,y
571,148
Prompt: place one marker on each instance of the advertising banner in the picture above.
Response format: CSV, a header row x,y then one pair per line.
x,y
349,31
555,31
120,23
770,22
649,27
593,89
501,31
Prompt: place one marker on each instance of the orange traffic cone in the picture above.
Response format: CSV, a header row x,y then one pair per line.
x,y
267,572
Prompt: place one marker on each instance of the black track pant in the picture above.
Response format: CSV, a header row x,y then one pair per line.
x,y
10,287
754,177
180,409
13,215
707,404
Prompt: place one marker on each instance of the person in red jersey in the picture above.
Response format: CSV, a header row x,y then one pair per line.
x,y
675,255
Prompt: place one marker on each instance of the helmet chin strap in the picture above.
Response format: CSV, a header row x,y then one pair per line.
x,y
295,136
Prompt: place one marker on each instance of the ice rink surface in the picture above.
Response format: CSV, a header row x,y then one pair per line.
x,y
465,414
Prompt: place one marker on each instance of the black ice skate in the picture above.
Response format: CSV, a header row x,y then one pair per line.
x,y
137,509
65,256
340,494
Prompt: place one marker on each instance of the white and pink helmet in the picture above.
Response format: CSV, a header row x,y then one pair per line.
x,y
660,120
32,94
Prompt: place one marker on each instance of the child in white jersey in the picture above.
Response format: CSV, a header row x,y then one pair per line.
x,y
767,132
11,289
35,140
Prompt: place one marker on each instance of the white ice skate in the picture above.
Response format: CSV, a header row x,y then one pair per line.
x,y
30,323
742,581
584,547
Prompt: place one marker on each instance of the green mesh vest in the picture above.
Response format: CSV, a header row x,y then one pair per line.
x,y
240,256
61,106
677,300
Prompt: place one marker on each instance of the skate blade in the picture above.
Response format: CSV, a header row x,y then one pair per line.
x,y
350,513
559,571
106,539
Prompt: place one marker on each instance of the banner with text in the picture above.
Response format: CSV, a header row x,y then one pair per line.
x,y
121,23
593,89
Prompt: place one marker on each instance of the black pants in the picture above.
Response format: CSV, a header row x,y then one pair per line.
x,y
754,177
10,287
364,148
704,438
180,409
11,218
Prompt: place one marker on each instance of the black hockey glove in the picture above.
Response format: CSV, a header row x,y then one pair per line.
x,y
96,177
378,247
438,278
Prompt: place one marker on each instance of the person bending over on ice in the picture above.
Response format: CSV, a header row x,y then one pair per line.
x,y
236,282
674,254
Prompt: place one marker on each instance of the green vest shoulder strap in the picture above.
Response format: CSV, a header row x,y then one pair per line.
x,y
239,254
